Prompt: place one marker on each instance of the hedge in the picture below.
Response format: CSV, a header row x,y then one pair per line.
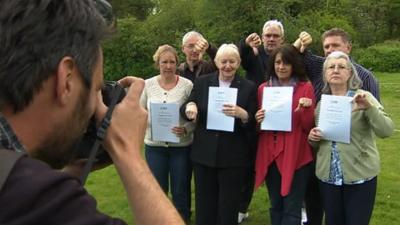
x,y
384,57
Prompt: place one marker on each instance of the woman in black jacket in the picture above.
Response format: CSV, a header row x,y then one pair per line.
x,y
220,157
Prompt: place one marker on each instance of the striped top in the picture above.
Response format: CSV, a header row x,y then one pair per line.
x,y
314,65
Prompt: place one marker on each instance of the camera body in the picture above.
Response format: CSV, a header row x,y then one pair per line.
x,y
112,93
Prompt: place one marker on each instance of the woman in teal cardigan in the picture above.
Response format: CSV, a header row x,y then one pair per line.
x,y
348,173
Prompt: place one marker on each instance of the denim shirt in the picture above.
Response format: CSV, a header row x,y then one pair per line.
x,y
8,139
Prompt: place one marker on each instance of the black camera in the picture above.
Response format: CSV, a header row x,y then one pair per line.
x,y
112,93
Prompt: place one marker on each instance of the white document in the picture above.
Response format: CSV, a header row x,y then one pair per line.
x,y
277,102
217,97
335,118
164,116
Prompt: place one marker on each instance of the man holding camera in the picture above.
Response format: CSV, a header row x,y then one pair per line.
x,y
50,80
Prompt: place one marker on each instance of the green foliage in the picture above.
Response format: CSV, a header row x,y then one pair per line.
x,y
316,23
380,57
129,53
146,24
139,9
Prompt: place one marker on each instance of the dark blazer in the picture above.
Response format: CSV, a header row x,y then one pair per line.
x,y
254,65
220,148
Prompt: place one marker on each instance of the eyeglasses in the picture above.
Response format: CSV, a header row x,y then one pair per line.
x,y
190,46
274,36
338,67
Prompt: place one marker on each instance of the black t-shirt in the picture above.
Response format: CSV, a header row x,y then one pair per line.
x,y
36,194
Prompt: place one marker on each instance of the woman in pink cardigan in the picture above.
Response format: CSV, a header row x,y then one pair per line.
x,y
284,157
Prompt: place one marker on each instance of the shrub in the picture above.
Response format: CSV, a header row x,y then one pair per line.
x,y
384,57
129,52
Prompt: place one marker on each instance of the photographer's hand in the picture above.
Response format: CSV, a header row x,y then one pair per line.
x,y
124,140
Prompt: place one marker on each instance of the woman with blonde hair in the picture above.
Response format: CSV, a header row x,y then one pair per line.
x,y
168,161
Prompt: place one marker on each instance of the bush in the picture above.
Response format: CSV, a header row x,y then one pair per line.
x,y
384,57
129,52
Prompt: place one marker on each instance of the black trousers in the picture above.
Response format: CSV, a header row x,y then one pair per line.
x,y
314,208
217,194
250,178
287,209
348,204
189,184
247,189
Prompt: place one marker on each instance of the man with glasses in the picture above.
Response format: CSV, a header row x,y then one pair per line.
x,y
255,56
194,45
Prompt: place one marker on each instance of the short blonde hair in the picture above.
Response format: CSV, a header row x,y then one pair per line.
x,y
274,23
162,49
227,49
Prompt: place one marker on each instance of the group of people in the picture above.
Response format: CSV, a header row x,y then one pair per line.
x,y
298,166
51,67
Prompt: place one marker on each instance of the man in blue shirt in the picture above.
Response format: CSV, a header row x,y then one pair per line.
x,y
334,39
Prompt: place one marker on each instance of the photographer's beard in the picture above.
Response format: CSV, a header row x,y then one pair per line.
x,y
60,149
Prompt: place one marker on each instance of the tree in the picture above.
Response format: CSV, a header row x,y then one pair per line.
x,y
140,9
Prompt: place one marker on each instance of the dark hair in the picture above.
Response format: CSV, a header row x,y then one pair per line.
x,y
290,55
36,34
337,32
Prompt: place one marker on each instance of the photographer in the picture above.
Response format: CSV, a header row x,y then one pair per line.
x,y
50,80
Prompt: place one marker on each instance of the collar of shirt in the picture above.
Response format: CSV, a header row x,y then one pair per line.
x,y
8,139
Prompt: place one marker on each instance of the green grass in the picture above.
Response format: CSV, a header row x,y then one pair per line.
x,y
106,187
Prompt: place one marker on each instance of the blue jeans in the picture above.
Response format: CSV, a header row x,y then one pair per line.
x,y
171,164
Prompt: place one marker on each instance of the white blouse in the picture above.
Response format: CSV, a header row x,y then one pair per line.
x,y
154,93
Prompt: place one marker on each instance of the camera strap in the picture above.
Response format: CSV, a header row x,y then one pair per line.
x,y
101,133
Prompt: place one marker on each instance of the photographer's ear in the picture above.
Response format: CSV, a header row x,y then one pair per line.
x,y
66,75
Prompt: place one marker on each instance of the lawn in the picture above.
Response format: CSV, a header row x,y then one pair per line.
x,y
106,187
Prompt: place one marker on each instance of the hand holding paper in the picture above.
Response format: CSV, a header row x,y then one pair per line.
x,y
179,131
315,134
260,115
235,111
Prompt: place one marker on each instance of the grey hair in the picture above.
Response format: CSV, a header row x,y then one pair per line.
x,y
190,34
226,49
276,23
354,81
